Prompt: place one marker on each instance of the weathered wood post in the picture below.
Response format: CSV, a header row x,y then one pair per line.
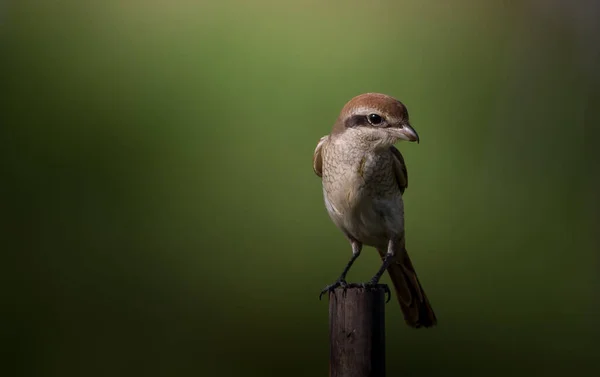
x,y
357,332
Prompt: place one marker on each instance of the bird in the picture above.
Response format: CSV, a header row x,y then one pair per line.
x,y
364,178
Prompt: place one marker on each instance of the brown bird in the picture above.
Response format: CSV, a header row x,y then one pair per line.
x,y
364,177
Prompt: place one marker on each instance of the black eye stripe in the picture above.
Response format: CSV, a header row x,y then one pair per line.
x,y
356,120
363,120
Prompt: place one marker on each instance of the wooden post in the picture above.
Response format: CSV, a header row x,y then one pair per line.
x,y
357,332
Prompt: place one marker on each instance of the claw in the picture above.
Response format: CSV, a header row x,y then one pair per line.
x,y
387,291
370,285
339,283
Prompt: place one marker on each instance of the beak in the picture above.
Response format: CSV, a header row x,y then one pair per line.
x,y
408,133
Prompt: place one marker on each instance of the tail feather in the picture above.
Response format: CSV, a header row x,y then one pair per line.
x,y
412,298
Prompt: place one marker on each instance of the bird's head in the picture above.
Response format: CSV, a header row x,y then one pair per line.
x,y
375,118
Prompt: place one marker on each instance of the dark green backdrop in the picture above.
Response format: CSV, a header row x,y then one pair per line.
x,y
161,216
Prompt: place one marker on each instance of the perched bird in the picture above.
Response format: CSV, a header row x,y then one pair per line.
x,y
364,177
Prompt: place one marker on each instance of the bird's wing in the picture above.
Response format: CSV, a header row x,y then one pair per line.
x,y
400,169
318,157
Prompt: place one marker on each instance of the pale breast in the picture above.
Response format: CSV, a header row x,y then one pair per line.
x,y
361,194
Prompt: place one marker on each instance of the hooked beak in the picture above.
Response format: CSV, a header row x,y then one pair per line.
x,y
406,132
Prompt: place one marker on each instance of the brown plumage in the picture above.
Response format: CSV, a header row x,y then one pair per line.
x,y
364,177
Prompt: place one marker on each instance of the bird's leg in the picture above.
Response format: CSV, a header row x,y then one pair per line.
x,y
387,259
341,281
386,262
356,249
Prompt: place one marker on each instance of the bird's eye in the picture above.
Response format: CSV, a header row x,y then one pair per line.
x,y
374,119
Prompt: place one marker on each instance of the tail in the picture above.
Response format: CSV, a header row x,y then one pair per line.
x,y
413,301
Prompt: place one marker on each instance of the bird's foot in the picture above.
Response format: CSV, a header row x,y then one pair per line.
x,y
372,285
368,285
338,283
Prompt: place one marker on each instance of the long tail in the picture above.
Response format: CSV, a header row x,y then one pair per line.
x,y
413,301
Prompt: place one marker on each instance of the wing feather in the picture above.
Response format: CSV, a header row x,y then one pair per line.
x,y
318,156
400,170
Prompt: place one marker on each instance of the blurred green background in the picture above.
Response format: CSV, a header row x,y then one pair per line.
x,y
161,216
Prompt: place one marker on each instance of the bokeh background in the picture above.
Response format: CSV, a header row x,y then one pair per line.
x,y
161,217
